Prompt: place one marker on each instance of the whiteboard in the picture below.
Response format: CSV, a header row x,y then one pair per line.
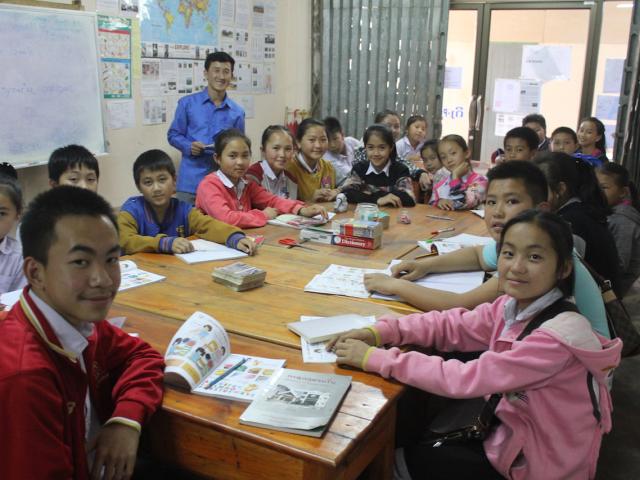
x,y
50,92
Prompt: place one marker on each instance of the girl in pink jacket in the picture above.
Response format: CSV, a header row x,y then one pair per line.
x,y
227,196
555,404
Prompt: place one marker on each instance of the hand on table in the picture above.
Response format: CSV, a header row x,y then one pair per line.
x,y
247,245
181,245
313,210
389,199
410,270
115,450
445,204
363,334
270,212
381,283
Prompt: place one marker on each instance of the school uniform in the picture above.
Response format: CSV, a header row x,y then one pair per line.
x,y
550,426
197,118
58,384
141,231
360,155
11,275
366,184
282,185
624,224
343,163
311,179
404,148
597,153
467,192
241,204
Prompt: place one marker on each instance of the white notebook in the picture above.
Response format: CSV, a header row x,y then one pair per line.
x,y
206,251
321,329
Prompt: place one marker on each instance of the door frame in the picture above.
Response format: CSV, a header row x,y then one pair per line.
x,y
483,30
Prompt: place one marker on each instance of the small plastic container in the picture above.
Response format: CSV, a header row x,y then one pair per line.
x,y
341,204
403,217
367,212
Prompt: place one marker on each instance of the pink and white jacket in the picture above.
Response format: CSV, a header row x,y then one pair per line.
x,y
467,192
548,428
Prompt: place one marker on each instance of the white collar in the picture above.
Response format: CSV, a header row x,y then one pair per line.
x,y
227,182
385,170
512,316
6,245
268,171
305,165
73,339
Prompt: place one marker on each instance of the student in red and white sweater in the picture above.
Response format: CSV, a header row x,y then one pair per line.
x,y
227,196
74,390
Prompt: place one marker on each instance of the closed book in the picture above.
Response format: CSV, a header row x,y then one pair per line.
x,y
239,273
298,402
325,328
357,242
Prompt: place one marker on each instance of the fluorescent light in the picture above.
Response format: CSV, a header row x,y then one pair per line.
x,y
625,5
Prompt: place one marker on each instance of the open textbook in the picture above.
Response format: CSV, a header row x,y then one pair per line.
x,y
298,221
454,243
206,251
131,276
199,358
298,402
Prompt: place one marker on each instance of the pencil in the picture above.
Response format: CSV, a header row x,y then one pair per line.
x,y
227,373
439,217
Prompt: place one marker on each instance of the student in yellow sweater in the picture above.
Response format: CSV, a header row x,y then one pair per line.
x,y
315,176
158,222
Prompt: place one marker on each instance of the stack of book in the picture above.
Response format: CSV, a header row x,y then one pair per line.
x,y
239,276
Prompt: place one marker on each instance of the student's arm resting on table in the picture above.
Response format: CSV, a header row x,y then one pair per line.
x,y
427,299
132,242
403,189
465,259
208,228
262,198
32,423
212,202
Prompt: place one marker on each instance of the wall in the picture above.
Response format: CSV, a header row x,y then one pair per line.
x,y
292,89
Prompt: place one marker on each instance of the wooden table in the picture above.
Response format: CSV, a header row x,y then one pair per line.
x,y
203,434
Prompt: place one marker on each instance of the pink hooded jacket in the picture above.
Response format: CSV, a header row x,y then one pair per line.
x,y
548,429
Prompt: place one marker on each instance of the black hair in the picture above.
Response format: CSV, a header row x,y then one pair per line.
x,y
535,118
153,160
560,234
9,185
222,57
37,231
306,124
526,134
383,132
579,178
432,144
413,119
227,136
380,116
528,173
458,140
333,125
620,176
270,130
568,131
602,143
71,156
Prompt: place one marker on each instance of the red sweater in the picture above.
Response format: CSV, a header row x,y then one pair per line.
x,y
220,202
42,393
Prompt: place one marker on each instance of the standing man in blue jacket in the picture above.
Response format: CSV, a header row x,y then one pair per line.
x,y
199,118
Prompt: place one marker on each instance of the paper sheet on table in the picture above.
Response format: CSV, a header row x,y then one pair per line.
x,y
457,242
341,280
206,251
479,213
315,352
455,282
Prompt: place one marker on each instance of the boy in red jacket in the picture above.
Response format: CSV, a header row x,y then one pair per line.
x,y
74,390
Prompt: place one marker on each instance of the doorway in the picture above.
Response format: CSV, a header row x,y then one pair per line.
x,y
506,60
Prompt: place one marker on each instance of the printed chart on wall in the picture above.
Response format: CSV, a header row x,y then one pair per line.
x,y
177,36
114,36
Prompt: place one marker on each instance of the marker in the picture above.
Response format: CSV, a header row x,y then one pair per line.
x,y
439,217
443,230
227,373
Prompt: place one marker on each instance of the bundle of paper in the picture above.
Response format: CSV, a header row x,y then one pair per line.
x,y
239,276
298,221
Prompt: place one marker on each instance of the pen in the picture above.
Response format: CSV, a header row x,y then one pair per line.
x,y
430,254
439,217
442,230
227,373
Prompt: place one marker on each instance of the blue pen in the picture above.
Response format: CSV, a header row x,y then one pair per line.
x,y
227,373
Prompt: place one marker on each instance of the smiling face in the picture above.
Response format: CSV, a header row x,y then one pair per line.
x,y
517,149
528,264
314,144
157,187
82,272
219,76
588,135
563,142
235,159
452,155
378,151
278,151
506,198
417,132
